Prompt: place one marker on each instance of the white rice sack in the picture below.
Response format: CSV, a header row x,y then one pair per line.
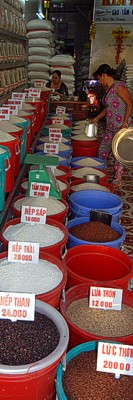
x,y
47,51
38,75
62,59
40,34
68,78
39,42
38,67
63,70
39,59
39,24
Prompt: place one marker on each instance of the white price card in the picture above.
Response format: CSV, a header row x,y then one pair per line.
x,y
19,103
39,82
13,108
40,189
55,135
60,110
105,298
4,113
57,120
18,96
115,358
17,306
34,92
23,252
51,148
33,215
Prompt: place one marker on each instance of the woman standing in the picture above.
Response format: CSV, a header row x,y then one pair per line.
x,y
118,108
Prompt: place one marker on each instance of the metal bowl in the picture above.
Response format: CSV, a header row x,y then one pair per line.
x,y
122,146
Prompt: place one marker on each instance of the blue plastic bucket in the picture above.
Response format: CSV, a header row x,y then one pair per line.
x,y
42,138
64,161
74,162
74,241
4,155
65,153
82,202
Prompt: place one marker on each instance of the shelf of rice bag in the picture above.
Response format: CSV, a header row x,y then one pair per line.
x,y
14,35
9,65
78,109
4,98
6,213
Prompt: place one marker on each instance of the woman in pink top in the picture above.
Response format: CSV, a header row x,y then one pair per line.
x,y
118,108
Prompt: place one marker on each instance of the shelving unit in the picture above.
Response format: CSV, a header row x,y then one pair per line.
x,y
4,98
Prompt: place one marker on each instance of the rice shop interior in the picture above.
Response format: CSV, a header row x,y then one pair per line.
x,y
66,203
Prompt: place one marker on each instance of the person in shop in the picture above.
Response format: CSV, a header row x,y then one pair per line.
x,y
118,105
60,88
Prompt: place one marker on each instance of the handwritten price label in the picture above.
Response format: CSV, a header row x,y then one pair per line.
x,y
33,92
4,113
108,299
17,306
35,215
17,102
60,110
57,120
23,252
55,135
51,148
40,189
115,358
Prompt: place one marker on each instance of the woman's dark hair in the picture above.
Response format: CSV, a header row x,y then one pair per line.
x,y
57,72
105,69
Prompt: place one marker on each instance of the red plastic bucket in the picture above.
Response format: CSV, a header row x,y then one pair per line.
x,y
76,182
31,117
17,154
78,335
40,108
61,216
103,175
53,296
17,132
92,263
64,192
82,151
36,381
56,249
10,172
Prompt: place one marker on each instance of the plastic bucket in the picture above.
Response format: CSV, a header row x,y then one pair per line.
x,y
74,241
45,139
17,132
82,202
36,110
78,335
78,173
66,190
94,263
72,354
101,186
75,160
52,296
30,116
26,125
36,381
65,172
61,216
65,162
90,151
56,249
12,145
4,157
66,153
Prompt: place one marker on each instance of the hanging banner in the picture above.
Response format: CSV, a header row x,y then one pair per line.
x,y
111,45
114,11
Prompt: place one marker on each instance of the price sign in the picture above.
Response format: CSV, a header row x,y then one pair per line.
x,y
105,298
55,135
18,96
35,215
23,252
17,306
115,358
39,82
13,109
40,189
60,110
34,92
4,113
58,120
19,103
51,148
26,91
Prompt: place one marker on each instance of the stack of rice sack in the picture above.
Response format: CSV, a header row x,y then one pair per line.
x,y
40,49
65,64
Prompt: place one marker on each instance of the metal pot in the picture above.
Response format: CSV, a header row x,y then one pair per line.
x,y
122,146
91,129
